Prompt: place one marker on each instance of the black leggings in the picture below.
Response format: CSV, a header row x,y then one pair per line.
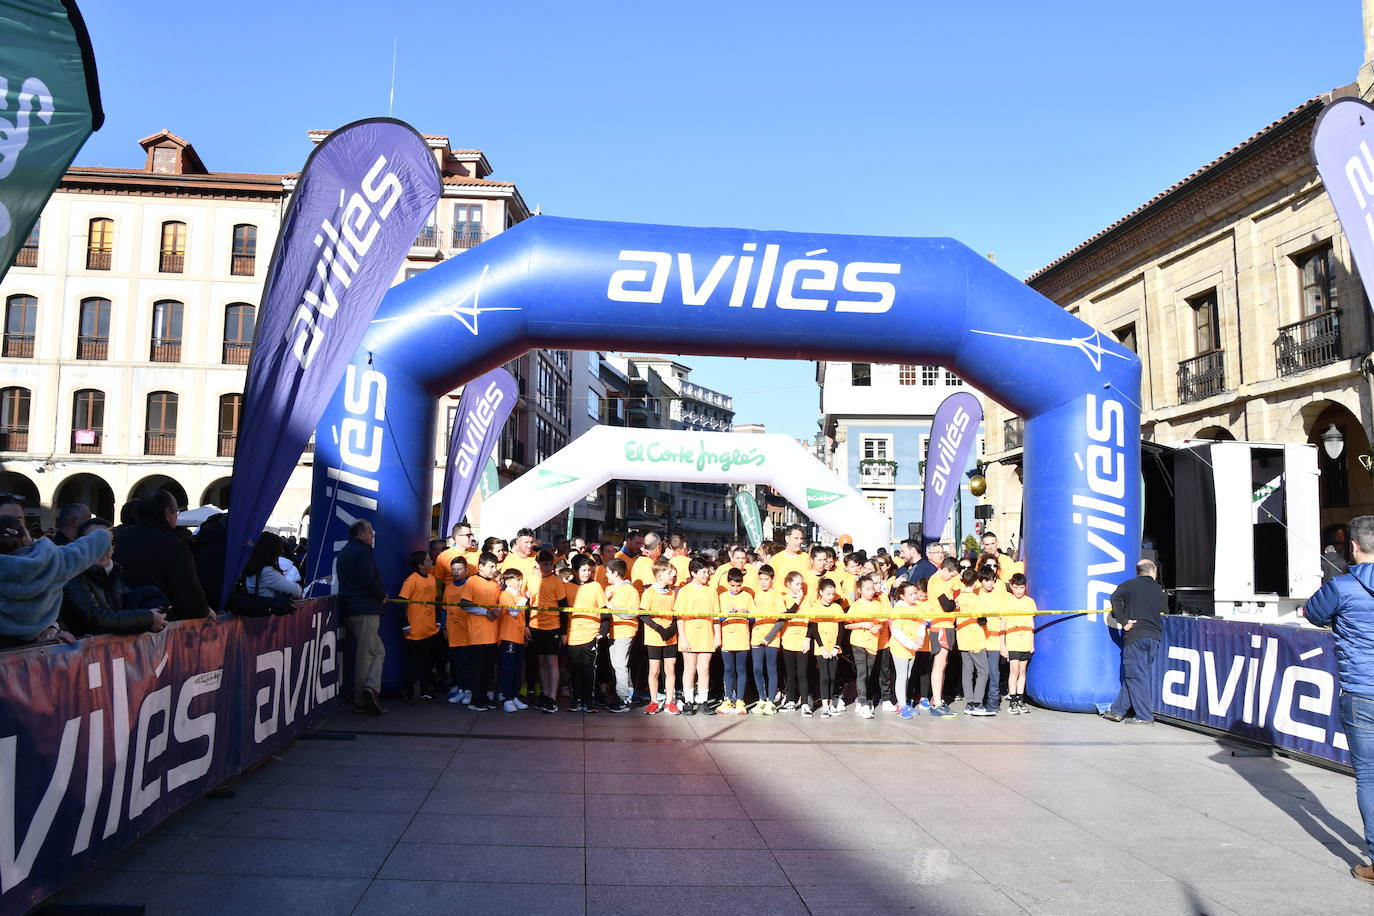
x,y
828,668
582,661
796,676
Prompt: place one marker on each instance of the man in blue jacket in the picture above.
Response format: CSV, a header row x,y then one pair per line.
x,y
361,603
1346,605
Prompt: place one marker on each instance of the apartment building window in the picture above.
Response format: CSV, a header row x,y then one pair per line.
x,y
1125,336
908,375
552,391
27,255
875,448
160,436
1206,327
1317,268
230,410
429,233
594,405
952,380
239,323
172,253
861,375
88,421
166,344
467,225
21,323
243,257
99,244
93,340
930,376
547,439
14,419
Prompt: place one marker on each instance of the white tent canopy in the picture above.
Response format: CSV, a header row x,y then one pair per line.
x,y
193,518
615,452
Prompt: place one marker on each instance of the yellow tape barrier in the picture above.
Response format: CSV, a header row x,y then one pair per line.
x,y
894,615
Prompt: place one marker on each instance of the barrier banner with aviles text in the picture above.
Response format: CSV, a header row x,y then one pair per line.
x,y
102,740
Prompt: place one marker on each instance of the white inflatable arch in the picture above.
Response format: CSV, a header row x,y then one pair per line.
x,y
618,453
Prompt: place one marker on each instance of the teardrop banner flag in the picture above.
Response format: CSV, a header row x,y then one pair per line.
x,y
953,431
486,403
1343,147
49,105
358,205
749,514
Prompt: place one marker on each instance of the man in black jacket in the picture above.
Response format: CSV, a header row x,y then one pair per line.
x,y
152,553
1137,605
361,603
98,601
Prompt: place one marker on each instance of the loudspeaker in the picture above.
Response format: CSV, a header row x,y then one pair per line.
x,y
913,530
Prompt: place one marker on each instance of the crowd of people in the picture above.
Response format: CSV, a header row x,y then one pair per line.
x,y
90,576
652,625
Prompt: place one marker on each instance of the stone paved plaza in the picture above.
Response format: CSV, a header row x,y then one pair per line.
x,y
435,810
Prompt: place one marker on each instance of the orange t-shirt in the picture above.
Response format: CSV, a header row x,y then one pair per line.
x,y
584,623
419,591
971,635
751,579
827,631
547,616
912,629
455,618
655,601
443,563
867,639
624,597
700,632
681,566
794,637
940,586
784,563
734,630
767,602
1019,631
642,572
512,622
482,631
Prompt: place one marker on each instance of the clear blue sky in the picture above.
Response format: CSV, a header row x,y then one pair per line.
x,y
1018,128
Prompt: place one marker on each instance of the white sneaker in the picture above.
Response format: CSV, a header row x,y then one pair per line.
x,y
865,712
520,704
455,695
466,696
839,706
806,710
509,706
889,706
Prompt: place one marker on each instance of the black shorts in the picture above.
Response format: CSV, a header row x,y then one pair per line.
x,y
1019,656
659,653
544,642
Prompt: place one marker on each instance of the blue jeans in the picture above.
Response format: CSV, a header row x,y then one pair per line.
x,y
512,667
1137,658
765,671
736,673
993,698
1357,720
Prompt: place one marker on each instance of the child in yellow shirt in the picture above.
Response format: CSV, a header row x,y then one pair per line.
x,y
825,633
698,636
585,599
738,605
660,638
621,595
423,643
867,637
1018,642
764,648
513,633
796,643
906,638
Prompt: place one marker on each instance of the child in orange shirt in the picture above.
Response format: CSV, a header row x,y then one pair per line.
x,y
825,634
766,642
698,637
586,626
480,600
660,639
621,595
868,637
421,631
734,641
795,643
545,623
1018,642
906,637
513,633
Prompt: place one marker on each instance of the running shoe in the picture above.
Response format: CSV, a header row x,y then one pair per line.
x,y
740,708
770,708
618,705
982,711
906,712
925,702
653,709
689,708
509,706
806,710
827,712
546,704
478,706
973,709
672,708
455,696
758,708
889,706
788,705
942,711
865,712
839,705
519,703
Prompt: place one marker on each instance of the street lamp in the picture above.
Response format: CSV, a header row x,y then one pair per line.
x,y
1333,442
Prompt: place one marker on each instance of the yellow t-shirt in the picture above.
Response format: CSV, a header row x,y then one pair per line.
x,y
941,586
654,601
867,639
767,602
528,566
513,613
681,566
734,630
455,618
700,632
912,629
550,591
971,635
784,563
642,572
794,638
827,631
482,631
751,579
1020,631
624,597
585,622
419,591
845,584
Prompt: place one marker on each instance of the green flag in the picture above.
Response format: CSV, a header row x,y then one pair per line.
x,y
49,104
489,483
817,498
749,514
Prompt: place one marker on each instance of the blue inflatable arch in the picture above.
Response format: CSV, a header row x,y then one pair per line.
x,y
574,284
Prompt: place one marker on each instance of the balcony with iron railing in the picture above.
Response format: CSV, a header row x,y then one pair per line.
x,y
87,441
468,236
18,345
1307,344
159,443
165,350
93,348
98,260
1013,433
226,444
1202,377
26,257
241,265
14,438
877,472
236,354
427,240
171,262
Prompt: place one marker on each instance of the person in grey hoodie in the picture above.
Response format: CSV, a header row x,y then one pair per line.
x,y
32,575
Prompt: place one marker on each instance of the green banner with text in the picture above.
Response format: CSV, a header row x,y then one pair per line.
x,y
749,514
49,105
